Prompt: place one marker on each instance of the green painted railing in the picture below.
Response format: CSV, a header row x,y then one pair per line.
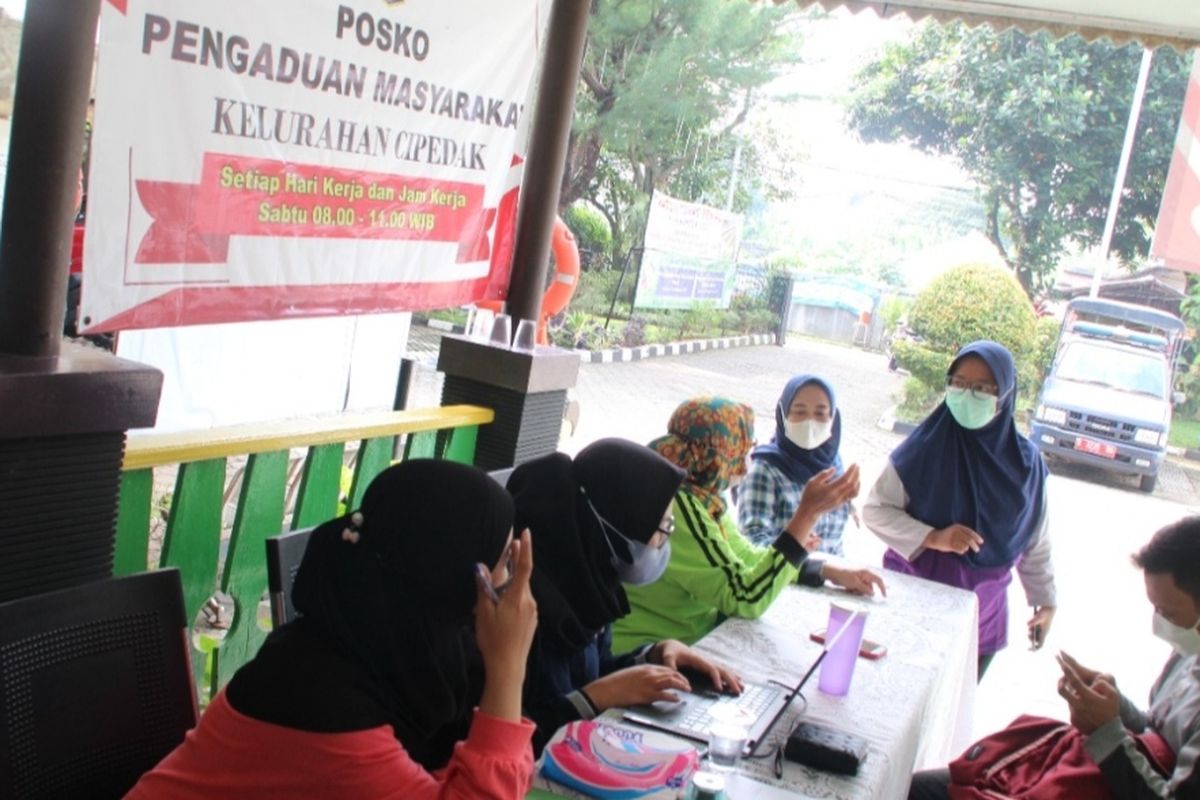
x,y
193,537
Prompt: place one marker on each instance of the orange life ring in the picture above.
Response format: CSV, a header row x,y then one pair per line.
x,y
563,282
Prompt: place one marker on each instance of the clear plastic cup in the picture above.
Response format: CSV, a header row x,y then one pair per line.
x,y
501,331
726,741
526,338
481,324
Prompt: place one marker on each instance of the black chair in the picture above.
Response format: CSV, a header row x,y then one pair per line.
x,y
95,686
284,553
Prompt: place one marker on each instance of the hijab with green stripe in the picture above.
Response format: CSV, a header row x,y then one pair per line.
x,y
710,438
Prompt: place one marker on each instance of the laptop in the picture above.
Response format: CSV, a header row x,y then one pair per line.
x,y
697,711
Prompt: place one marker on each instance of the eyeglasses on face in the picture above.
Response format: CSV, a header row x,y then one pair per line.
x,y
978,390
666,527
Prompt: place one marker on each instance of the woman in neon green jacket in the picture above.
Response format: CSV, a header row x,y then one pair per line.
x,y
715,572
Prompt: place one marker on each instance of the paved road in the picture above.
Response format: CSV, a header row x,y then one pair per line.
x,y
1096,520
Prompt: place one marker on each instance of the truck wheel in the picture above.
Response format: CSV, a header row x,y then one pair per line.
x,y
1146,483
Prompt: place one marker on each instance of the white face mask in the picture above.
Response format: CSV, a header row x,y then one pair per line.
x,y
808,434
1186,641
649,563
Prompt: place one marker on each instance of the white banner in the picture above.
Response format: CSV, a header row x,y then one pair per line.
x,y
288,158
689,256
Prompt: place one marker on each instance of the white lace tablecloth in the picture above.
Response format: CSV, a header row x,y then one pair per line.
x,y
913,705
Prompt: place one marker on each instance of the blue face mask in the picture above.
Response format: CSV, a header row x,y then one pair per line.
x,y
649,563
970,411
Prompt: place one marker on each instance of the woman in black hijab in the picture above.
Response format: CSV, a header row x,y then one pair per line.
x,y
339,702
601,519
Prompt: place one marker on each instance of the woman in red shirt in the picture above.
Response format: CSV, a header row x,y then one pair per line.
x,y
335,703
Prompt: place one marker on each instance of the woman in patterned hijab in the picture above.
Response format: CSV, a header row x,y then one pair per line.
x,y
715,572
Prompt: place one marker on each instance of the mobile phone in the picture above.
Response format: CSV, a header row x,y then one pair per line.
x,y
484,579
1035,637
866,649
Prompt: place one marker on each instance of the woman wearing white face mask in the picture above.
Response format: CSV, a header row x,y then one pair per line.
x,y
1108,721
808,435
603,525
714,570
963,499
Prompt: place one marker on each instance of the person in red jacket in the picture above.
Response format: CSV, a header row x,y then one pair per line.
x,y
335,703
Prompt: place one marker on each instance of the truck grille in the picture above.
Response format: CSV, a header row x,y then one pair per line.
x,y
1101,427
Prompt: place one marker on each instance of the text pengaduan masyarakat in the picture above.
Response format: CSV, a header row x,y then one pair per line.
x,y
190,43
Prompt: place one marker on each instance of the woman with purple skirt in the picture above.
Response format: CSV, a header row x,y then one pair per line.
x,y
963,499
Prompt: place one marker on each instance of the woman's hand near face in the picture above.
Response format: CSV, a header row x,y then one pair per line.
x,y
504,632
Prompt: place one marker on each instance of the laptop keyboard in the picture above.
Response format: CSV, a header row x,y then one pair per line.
x,y
750,704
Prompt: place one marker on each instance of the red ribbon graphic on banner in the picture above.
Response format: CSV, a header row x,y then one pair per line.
x,y
240,196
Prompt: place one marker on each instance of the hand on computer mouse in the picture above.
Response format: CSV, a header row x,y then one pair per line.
x,y
678,656
636,686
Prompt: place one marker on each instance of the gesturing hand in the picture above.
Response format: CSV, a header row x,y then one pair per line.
x,y
954,539
636,686
822,493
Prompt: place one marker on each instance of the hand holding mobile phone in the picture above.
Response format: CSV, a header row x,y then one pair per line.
x,y
484,579
1035,637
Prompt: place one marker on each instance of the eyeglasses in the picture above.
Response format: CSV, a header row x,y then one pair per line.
x,y
666,527
979,391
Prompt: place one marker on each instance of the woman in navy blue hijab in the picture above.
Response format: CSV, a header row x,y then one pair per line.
x,y
963,499
808,436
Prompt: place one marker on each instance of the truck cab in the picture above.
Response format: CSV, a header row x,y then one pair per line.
x,y
1108,397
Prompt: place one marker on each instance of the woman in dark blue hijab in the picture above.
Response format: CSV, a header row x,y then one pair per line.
x,y
962,500
808,435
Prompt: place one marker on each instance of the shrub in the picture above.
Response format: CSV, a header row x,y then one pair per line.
x,y
925,365
592,234
1188,382
916,400
967,303
596,288
1045,341
634,334
892,310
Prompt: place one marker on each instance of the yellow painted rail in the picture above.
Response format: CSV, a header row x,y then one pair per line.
x,y
214,557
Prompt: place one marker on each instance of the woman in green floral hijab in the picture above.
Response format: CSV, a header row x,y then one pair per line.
x,y
709,437
715,572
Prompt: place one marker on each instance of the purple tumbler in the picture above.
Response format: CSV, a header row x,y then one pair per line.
x,y
838,667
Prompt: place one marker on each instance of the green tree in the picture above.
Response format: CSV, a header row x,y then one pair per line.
x,y
664,86
1038,123
965,304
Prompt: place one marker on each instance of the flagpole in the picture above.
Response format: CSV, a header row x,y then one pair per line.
x,y
1110,222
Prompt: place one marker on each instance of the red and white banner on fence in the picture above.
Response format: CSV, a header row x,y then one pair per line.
x,y
1177,232
288,158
